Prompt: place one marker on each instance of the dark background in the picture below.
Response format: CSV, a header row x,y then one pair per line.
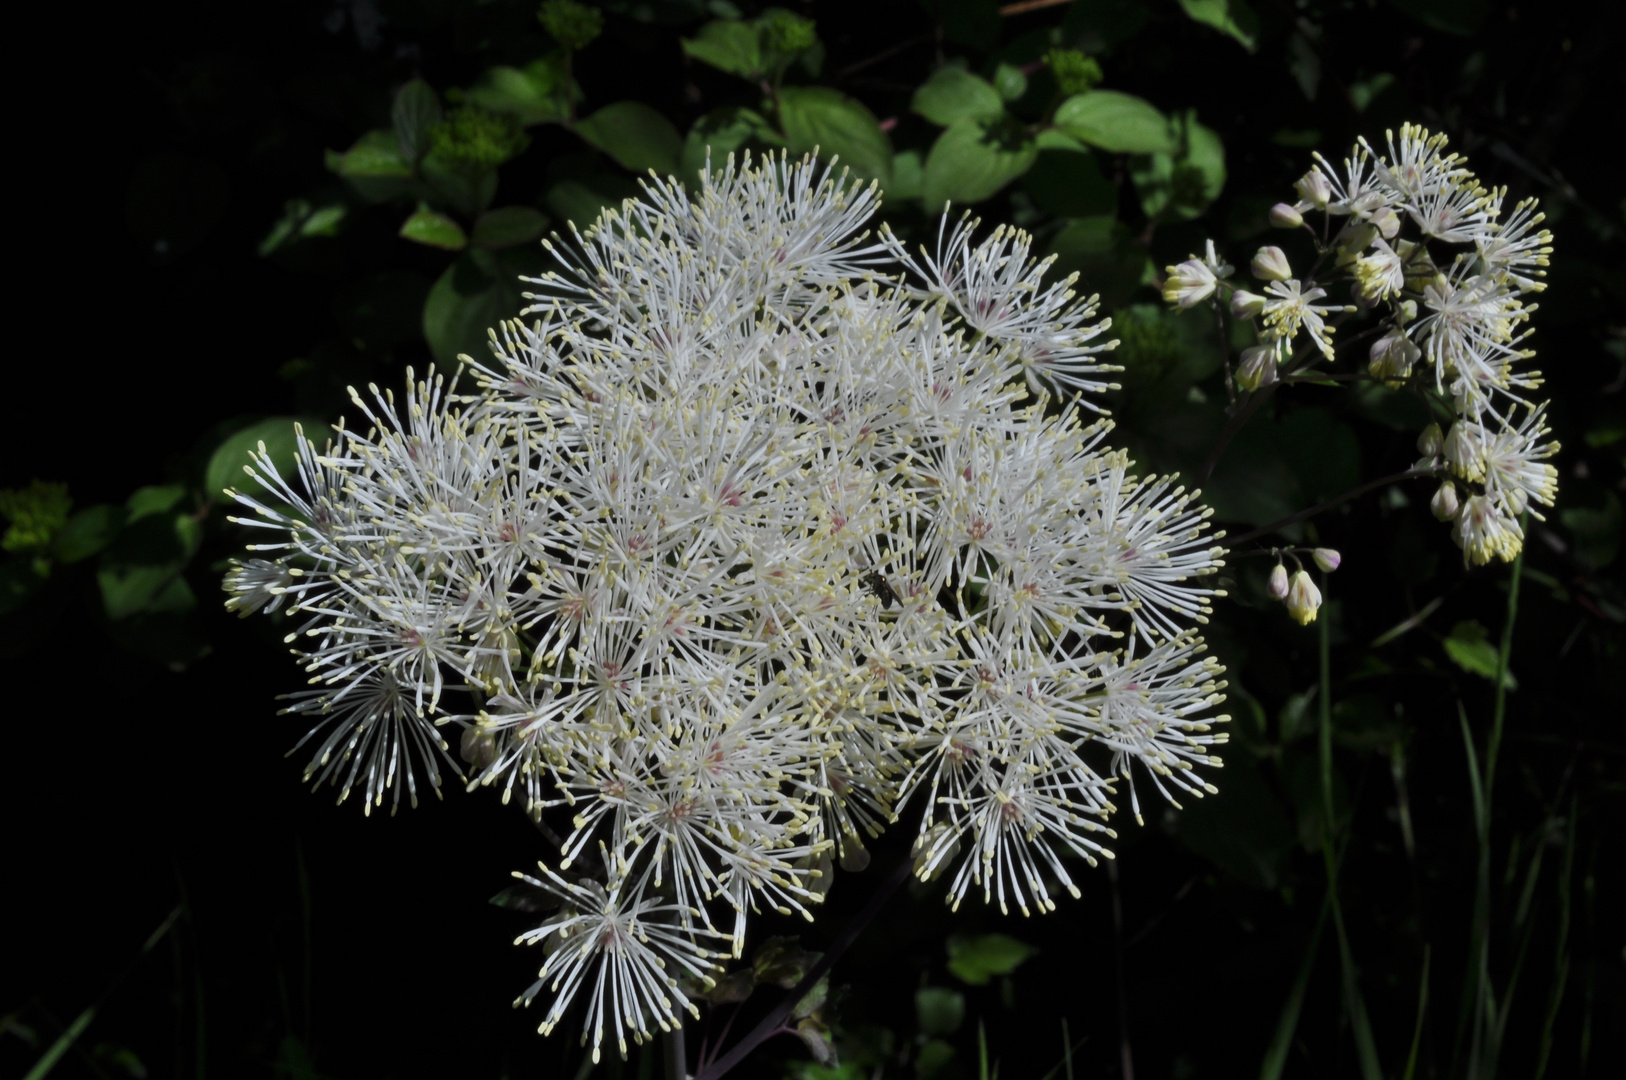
x,y
147,760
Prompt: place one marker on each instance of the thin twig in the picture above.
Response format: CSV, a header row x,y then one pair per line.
x,y
1328,504
773,1023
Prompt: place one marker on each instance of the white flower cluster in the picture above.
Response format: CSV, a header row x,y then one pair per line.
x,y
742,549
1451,294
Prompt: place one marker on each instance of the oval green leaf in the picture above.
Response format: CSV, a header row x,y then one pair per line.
x,y
953,93
837,126
973,160
635,135
1120,123
507,226
226,464
426,226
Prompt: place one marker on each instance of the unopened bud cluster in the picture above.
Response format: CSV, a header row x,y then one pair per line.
x,y
1445,267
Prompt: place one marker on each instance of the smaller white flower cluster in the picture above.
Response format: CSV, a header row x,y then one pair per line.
x,y
746,544
1435,256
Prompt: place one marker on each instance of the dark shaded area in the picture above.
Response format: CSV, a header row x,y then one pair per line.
x,y
148,761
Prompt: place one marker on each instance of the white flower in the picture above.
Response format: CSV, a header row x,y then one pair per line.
x,y
1295,307
622,945
1484,532
737,546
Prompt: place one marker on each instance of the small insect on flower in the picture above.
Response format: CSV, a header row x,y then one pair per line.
x,y
880,588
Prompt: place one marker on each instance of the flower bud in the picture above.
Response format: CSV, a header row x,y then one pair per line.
x,y
1327,558
1387,222
1407,311
1189,283
1314,189
1246,305
1463,451
1271,265
1431,443
478,746
1277,585
1303,598
1392,356
1444,504
1286,216
1258,367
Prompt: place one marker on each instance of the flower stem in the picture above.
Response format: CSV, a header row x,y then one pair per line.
x,y
773,1023
1328,504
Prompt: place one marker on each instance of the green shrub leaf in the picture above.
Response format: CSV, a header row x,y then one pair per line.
x,y
818,118
435,229
635,135
1120,123
953,94
973,159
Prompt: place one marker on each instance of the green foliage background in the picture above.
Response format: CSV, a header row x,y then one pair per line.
x,y
253,208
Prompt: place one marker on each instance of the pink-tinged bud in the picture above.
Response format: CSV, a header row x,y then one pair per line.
x,y
1271,265
1326,558
1246,305
1258,367
1314,189
1444,504
1286,216
1277,585
1431,442
1303,598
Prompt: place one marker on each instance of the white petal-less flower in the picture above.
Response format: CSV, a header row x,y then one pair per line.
x,y
1294,307
744,540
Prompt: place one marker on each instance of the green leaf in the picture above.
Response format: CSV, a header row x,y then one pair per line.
x,y
87,532
939,1010
1103,252
975,960
435,229
1231,17
508,226
953,93
376,155
729,45
1364,91
636,136
1470,648
538,94
973,159
1010,82
908,176
837,126
226,464
416,111
140,571
1119,123
723,132
1068,182
580,203
1180,186
476,292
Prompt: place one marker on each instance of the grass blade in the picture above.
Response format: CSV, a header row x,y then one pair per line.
x,y
1422,1011
1281,1044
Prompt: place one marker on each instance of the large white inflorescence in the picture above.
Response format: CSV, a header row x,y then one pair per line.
x,y
746,546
